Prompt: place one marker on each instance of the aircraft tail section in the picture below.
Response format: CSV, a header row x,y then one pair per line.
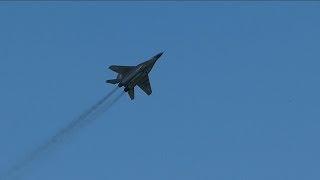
x,y
121,69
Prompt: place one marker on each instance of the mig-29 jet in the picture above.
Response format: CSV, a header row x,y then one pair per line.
x,y
130,76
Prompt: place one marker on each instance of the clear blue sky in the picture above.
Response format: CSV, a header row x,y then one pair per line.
x,y
235,96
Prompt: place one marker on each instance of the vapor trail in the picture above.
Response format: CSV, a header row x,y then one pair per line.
x,y
84,119
103,108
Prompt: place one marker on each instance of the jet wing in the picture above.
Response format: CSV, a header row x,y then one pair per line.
x,y
131,94
121,69
144,84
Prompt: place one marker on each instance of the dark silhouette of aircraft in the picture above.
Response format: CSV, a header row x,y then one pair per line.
x,y
130,76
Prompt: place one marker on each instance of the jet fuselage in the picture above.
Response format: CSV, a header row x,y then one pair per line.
x,y
133,77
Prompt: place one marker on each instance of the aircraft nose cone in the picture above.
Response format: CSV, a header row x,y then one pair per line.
x,y
158,55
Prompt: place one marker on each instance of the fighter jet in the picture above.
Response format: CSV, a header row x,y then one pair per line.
x,y
130,76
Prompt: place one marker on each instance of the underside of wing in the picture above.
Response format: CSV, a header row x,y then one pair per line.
x,y
131,94
144,84
121,69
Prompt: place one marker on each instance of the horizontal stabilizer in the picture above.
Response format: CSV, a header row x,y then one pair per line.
x,y
113,81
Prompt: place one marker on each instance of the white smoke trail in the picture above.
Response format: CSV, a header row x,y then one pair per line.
x,y
84,119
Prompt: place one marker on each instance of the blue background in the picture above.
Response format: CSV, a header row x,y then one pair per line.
x,y
235,96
